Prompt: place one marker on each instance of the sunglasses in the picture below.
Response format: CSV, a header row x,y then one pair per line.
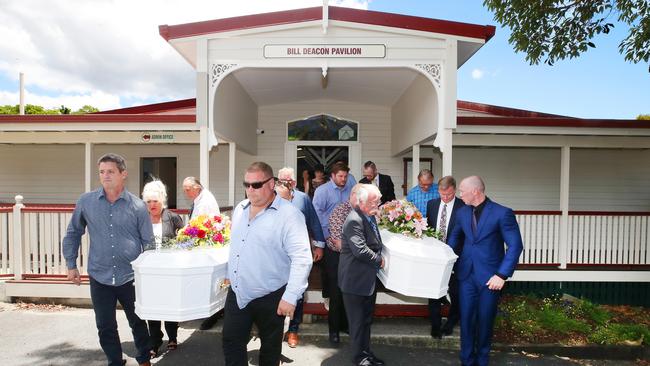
x,y
256,185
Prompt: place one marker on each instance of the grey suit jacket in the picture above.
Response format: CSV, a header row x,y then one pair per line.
x,y
360,255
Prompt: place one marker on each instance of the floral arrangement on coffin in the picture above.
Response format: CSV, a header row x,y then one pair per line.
x,y
402,217
203,231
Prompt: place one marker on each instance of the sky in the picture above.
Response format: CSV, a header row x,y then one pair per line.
x,y
108,54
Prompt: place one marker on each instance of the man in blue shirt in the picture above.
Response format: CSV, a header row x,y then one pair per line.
x,y
326,198
268,267
286,188
119,227
424,192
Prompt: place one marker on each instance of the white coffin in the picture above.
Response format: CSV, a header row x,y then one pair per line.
x,y
416,267
180,285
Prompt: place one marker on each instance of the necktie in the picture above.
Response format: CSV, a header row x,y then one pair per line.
x,y
373,223
442,225
474,221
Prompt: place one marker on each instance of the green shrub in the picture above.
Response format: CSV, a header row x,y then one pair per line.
x,y
619,333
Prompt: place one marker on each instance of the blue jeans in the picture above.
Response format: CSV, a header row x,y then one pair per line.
x,y
104,298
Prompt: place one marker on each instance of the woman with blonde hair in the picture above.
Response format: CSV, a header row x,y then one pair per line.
x,y
165,225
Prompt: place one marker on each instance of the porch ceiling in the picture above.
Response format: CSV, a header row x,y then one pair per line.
x,y
376,86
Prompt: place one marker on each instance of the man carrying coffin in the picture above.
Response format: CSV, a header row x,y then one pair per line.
x,y
483,266
360,260
442,216
269,262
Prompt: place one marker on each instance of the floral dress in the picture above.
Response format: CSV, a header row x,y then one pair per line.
x,y
337,218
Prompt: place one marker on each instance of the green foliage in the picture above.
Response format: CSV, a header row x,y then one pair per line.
x,y
37,109
643,117
621,334
531,319
86,109
556,29
593,312
64,110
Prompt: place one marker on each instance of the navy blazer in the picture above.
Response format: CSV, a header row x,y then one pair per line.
x,y
360,256
484,254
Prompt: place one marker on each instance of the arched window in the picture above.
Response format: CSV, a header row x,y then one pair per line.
x,y
322,127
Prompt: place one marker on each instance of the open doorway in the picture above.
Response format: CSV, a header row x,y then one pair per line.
x,y
163,169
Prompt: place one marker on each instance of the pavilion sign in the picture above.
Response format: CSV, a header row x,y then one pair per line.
x,y
325,50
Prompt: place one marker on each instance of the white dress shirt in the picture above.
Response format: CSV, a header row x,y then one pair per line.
x,y
205,204
450,207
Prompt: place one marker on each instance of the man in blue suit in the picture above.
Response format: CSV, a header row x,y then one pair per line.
x,y
442,215
483,266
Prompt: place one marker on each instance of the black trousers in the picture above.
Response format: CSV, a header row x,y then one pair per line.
x,y
105,298
336,317
360,310
454,310
156,334
237,325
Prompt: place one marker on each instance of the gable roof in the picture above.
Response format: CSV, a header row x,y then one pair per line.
x,y
484,32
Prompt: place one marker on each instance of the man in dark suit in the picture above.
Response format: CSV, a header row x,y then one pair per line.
x,y
483,266
383,181
359,262
442,213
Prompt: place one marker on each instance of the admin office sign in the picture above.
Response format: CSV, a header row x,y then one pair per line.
x,y
325,50
157,137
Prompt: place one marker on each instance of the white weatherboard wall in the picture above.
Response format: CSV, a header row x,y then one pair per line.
x,y
374,131
415,115
520,178
41,173
235,115
610,180
187,160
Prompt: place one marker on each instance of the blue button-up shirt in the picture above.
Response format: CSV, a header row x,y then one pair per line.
x,y
420,198
302,202
326,198
118,234
268,252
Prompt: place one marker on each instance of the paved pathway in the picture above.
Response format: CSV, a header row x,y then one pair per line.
x,y
69,337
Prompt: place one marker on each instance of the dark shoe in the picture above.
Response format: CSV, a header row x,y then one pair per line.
x,y
376,361
447,329
172,345
209,322
123,362
367,361
335,338
435,333
146,363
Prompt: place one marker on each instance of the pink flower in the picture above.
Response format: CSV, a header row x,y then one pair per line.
x,y
420,225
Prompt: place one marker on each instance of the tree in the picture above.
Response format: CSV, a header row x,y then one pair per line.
x,y
643,117
560,29
86,109
64,110
37,109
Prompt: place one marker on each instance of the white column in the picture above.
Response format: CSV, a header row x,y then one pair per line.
x,y
204,157
415,167
88,166
564,205
446,148
17,262
232,150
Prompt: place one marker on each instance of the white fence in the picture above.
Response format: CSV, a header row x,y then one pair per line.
x,y
595,239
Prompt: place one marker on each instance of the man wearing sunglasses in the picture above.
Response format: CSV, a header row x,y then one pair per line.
x,y
286,188
270,260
